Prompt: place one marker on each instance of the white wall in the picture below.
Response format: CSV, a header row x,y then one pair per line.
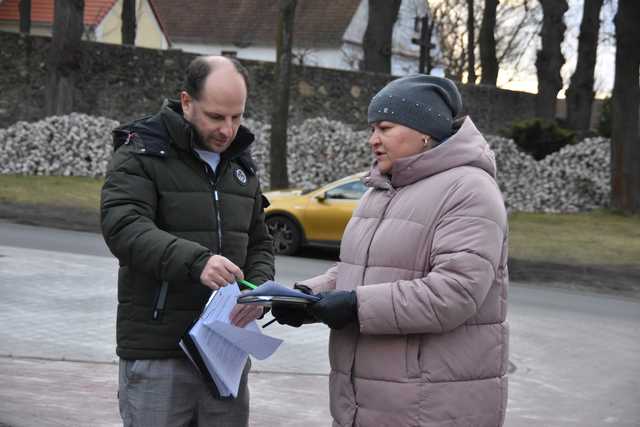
x,y
403,61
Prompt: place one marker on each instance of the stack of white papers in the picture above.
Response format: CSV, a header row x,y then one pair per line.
x,y
224,348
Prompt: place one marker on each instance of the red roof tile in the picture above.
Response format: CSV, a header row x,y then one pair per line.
x,y
318,23
42,11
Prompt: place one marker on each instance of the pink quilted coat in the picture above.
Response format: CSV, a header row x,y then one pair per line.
x,y
426,252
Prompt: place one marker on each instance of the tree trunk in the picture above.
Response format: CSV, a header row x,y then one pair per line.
x,y
580,91
129,22
64,57
550,58
25,16
488,58
471,44
377,42
284,43
625,137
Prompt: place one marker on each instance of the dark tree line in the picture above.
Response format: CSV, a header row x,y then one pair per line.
x,y
487,42
625,138
129,22
24,9
580,93
549,60
65,54
377,42
279,117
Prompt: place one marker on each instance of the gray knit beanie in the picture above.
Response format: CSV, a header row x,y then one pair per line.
x,y
421,102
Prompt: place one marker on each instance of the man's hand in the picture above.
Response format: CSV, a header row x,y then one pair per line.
x,y
243,314
219,272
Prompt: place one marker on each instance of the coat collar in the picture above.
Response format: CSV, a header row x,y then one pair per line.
x,y
183,134
467,147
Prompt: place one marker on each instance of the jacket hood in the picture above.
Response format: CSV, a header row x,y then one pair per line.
x,y
467,147
185,135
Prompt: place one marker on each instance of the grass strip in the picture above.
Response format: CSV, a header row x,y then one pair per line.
x,y
591,238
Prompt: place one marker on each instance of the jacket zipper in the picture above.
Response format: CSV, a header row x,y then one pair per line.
x,y
384,213
216,199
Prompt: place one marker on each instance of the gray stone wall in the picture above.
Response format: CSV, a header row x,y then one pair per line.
x,y
123,83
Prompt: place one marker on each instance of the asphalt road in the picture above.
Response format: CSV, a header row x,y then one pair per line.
x,y
574,354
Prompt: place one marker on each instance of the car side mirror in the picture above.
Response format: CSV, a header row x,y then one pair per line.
x,y
321,197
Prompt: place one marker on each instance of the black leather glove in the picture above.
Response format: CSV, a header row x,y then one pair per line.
x,y
336,309
293,314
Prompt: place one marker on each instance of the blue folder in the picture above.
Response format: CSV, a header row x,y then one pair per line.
x,y
270,292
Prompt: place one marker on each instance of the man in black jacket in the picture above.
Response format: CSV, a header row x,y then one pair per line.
x,y
182,210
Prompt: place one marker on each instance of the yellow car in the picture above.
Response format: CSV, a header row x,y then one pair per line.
x,y
318,217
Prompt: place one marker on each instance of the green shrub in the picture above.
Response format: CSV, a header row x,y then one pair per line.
x,y
539,137
604,123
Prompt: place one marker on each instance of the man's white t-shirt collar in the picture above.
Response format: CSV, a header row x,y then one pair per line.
x,y
211,157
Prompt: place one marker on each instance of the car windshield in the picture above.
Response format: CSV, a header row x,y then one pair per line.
x,y
351,190
307,190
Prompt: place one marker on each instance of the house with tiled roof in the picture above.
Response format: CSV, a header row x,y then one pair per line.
x,y
326,33
102,21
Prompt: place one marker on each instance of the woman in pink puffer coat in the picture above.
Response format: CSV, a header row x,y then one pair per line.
x,y
417,304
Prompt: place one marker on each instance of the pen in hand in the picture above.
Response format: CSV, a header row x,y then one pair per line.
x,y
247,284
269,322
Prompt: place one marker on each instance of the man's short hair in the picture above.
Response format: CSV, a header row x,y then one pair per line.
x,y
200,68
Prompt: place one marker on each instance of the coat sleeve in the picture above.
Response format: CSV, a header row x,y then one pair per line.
x,y
259,266
468,244
128,208
324,282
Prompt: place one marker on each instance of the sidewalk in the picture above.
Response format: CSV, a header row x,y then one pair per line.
x,y
49,393
57,349
58,366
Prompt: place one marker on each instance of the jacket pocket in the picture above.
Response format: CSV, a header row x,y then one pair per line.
x,y
412,355
160,302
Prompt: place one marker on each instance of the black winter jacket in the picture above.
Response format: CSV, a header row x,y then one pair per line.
x,y
163,214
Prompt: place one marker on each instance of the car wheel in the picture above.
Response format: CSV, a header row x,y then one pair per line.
x,y
285,233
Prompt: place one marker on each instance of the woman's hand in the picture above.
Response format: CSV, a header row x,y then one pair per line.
x,y
293,315
336,308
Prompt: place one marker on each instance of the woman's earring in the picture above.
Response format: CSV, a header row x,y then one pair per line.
x,y
427,142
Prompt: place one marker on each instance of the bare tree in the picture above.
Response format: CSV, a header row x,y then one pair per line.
x,y
471,44
517,23
449,19
376,44
284,43
64,57
625,138
25,16
550,59
488,57
129,23
580,91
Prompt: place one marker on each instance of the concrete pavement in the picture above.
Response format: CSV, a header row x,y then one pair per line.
x,y
575,354
57,342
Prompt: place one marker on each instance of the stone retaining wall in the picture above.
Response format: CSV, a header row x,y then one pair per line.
x,y
123,82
